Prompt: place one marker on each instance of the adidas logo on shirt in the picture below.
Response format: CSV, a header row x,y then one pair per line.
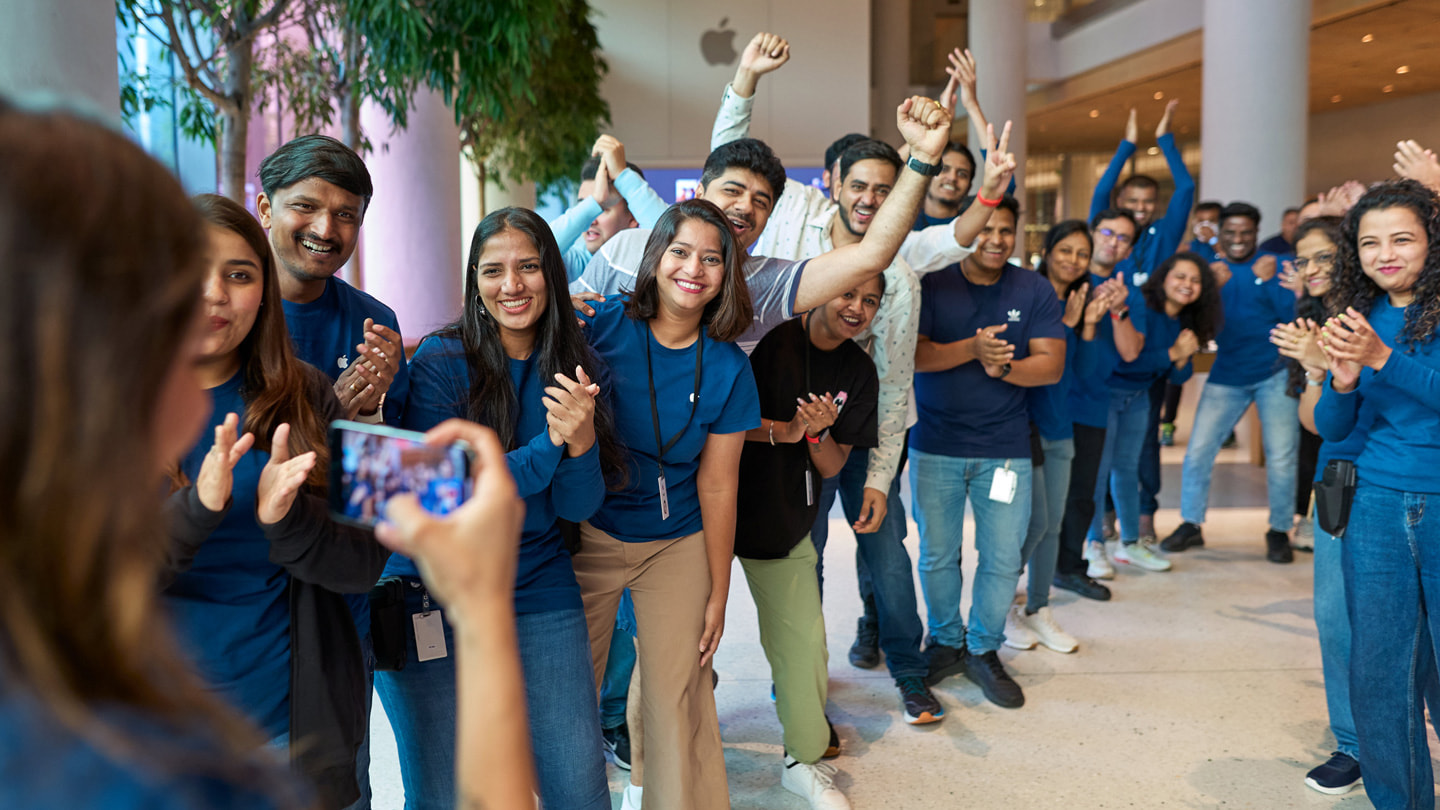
x,y
1014,316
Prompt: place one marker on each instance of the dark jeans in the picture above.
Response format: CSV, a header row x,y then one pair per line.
x,y
1150,451
1172,402
891,576
1080,501
1307,456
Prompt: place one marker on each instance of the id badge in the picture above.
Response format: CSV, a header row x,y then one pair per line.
x,y
429,635
664,500
1003,486
809,488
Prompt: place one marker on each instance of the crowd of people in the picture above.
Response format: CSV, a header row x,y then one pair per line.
x,y
652,391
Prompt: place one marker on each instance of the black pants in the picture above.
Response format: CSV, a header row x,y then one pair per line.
x,y
1305,476
1080,502
1172,402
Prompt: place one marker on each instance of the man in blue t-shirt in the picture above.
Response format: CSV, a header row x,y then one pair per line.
x,y
1248,368
988,331
314,194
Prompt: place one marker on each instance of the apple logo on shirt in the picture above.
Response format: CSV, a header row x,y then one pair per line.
x,y
343,361
718,45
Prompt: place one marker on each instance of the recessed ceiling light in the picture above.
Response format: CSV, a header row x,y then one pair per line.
x,y
1154,150
1159,95
1368,38
1335,99
1403,69
1389,88
1094,113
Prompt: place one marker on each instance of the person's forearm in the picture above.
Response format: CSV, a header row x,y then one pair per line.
x,y
932,356
717,517
1336,413
1128,340
1308,400
1037,370
645,204
732,119
772,431
493,766
829,456
1100,198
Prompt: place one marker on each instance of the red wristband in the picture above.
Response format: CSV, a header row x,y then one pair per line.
x,y
812,439
980,198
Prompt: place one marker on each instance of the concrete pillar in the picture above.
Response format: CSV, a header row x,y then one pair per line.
x,y
413,260
889,65
65,47
1256,95
999,39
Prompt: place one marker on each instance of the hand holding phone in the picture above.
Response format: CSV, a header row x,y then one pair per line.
x,y
370,464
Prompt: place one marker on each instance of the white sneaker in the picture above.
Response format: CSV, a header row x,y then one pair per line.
x,y
1100,567
1017,633
816,783
1304,531
630,799
1042,627
1140,556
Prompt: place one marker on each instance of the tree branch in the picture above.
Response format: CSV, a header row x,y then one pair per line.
x,y
192,75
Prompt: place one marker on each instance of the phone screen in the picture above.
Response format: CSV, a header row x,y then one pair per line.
x,y
371,464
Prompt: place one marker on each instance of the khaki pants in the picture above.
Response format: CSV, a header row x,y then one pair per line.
x,y
669,581
792,633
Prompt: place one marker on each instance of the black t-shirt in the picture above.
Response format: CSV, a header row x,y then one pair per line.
x,y
773,515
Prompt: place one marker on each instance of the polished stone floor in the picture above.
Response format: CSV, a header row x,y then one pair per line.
x,y
1196,688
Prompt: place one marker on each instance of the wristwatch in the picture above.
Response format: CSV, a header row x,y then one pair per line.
x,y
1004,372
926,169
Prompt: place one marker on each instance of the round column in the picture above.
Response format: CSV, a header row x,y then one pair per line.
x,y
65,47
998,39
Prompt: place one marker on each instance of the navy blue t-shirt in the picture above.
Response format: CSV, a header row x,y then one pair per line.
x,y
1244,354
963,411
1050,404
231,608
1089,400
325,333
728,403
551,483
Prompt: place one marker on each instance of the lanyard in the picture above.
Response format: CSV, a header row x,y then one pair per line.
x,y
664,447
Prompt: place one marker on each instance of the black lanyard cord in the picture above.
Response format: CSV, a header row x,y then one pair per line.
x,y
655,410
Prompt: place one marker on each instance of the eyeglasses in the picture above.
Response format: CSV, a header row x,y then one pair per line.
x,y
1122,238
1320,260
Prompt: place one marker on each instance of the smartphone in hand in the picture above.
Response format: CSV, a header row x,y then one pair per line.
x,y
370,464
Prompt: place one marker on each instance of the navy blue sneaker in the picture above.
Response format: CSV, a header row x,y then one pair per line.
x,y
1340,774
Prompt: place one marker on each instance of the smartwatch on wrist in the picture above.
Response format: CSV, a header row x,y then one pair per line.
x,y
926,169
1004,372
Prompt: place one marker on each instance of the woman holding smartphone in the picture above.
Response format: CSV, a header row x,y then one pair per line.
x,y
669,534
516,361
98,706
258,566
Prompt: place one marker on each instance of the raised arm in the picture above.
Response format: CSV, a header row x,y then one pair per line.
x,y
925,125
765,53
1173,226
1105,188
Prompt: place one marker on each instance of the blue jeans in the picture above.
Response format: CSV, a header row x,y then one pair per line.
x,y
560,699
619,666
1120,463
1332,624
1220,409
940,485
1047,511
883,552
1392,577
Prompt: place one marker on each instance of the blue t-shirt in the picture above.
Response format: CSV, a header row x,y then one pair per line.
x,y
325,333
44,765
1089,400
1050,404
963,411
1205,249
552,484
1244,354
1347,448
1160,331
1403,447
231,608
728,403
1159,241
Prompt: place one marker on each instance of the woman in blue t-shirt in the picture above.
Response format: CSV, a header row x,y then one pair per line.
x,y
1180,313
258,567
684,398
1383,362
1065,262
516,361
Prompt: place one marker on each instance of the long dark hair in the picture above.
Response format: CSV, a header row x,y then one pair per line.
x,y
730,313
1311,307
559,344
101,260
1057,232
276,386
1350,287
1204,315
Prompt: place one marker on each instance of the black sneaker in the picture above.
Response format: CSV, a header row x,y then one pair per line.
x,y
1277,547
944,662
1340,774
921,707
617,742
833,749
989,674
1083,585
1186,536
865,652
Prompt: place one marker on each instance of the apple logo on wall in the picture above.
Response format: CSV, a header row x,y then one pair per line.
x,y
718,45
